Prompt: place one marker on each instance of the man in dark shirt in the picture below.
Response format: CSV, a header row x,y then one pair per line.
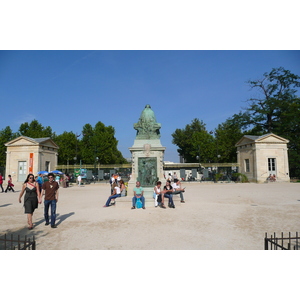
x,y
50,190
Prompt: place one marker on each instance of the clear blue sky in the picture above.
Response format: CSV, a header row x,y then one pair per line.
x,y
67,89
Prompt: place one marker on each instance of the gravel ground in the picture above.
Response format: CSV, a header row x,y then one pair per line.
x,y
222,216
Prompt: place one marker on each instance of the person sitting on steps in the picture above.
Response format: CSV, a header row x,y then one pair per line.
x,y
138,192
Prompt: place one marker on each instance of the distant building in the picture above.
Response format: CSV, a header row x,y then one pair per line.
x,y
26,155
262,156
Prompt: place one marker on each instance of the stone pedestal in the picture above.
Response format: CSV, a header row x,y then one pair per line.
x,y
147,167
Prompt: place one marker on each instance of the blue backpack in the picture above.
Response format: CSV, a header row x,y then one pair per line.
x,y
138,203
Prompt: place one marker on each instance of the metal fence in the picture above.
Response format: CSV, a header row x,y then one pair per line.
x,y
17,244
282,243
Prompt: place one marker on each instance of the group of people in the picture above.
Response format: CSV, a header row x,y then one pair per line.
x,y
272,178
33,197
10,185
168,191
159,194
118,189
34,192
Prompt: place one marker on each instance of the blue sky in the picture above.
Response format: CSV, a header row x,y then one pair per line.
x,y
67,89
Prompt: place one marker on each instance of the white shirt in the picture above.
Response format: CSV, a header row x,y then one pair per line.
x,y
157,189
118,191
175,186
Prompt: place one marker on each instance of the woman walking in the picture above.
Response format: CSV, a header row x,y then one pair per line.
x,y
32,195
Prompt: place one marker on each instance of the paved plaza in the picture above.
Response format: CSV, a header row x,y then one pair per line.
x,y
216,216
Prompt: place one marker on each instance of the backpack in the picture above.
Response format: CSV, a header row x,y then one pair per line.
x,y
138,203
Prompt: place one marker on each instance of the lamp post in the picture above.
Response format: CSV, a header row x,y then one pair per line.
x,y
95,169
216,135
198,157
75,159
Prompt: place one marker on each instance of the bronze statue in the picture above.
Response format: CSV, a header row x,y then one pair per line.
x,y
147,127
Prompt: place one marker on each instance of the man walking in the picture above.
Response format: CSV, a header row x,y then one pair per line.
x,y
50,190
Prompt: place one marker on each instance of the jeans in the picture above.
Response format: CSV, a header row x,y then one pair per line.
x,y
9,188
170,197
135,198
51,203
112,197
180,194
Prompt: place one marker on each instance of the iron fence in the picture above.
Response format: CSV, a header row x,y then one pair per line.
x,y
282,243
17,244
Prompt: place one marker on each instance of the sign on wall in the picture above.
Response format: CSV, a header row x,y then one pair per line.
x,y
30,162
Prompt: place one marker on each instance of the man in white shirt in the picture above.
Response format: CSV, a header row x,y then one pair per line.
x,y
178,190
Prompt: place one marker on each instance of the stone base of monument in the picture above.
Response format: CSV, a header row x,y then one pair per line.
x,y
148,194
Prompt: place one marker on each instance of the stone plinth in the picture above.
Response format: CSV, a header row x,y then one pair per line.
x,y
147,166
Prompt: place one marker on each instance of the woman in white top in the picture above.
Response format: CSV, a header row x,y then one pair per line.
x,y
116,193
157,193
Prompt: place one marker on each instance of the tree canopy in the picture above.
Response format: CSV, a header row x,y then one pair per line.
x,y
35,130
6,135
192,141
93,142
274,108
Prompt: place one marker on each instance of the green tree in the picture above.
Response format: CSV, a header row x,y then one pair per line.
x,y
193,141
67,142
276,109
276,90
289,128
6,135
35,130
226,136
100,142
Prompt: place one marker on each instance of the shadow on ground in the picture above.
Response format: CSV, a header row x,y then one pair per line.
x,y
3,205
61,218
24,232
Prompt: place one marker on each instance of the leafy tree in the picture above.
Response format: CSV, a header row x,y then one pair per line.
x,y
6,135
100,142
289,128
275,109
276,90
67,142
226,136
35,130
193,141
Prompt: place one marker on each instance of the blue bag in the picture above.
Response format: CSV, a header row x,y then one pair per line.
x,y
138,203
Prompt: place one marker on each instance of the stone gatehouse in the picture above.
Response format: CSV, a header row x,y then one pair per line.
x,y
26,155
261,156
